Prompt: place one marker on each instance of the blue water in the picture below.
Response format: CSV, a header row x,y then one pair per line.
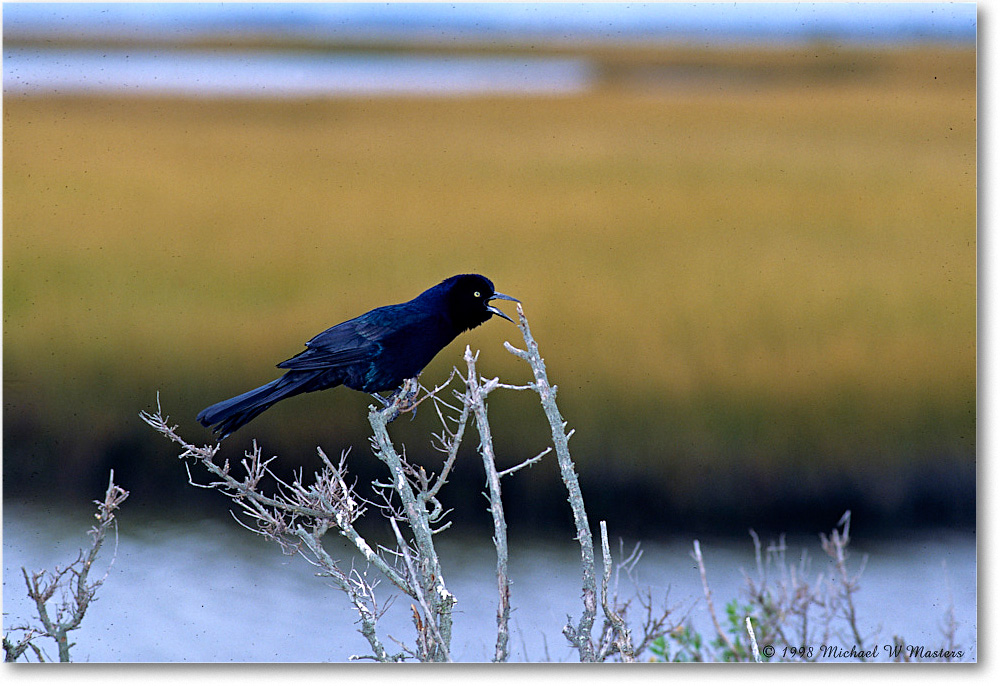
x,y
184,590
263,74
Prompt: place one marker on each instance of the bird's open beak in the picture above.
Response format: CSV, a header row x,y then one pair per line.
x,y
496,311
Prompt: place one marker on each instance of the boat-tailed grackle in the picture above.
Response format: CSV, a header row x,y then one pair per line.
x,y
375,352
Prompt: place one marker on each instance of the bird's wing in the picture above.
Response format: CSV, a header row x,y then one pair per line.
x,y
353,341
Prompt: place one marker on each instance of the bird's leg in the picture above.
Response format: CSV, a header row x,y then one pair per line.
x,y
406,394
401,399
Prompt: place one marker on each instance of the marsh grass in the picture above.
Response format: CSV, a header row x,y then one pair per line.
x,y
770,273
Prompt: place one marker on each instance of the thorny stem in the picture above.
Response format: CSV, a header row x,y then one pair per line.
x,y
450,441
359,593
257,504
412,571
580,635
69,614
306,512
299,511
440,600
623,637
708,601
753,640
476,398
836,547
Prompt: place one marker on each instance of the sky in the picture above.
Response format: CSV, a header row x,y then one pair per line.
x,y
864,21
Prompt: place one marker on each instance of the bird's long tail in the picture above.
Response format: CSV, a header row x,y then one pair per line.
x,y
229,415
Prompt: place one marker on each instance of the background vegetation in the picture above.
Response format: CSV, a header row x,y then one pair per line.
x,y
756,286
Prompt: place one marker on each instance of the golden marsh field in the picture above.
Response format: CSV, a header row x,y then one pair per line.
x,y
751,291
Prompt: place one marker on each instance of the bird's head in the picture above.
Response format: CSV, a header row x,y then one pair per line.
x,y
469,297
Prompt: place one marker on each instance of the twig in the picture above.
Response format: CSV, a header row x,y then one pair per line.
x,y
440,600
475,397
449,442
622,634
579,635
753,640
708,600
275,513
527,463
429,613
359,591
302,513
836,547
73,581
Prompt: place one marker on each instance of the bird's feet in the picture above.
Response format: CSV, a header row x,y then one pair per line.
x,y
402,399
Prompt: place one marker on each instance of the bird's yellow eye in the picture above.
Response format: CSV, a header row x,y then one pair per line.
x,y
476,294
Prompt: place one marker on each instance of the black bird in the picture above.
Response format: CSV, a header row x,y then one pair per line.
x,y
375,352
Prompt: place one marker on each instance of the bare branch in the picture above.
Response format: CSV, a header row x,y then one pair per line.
x,y
526,463
73,582
708,600
475,397
579,635
432,589
836,547
430,625
753,640
622,635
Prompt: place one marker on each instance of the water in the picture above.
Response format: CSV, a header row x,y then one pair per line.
x,y
204,591
262,74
